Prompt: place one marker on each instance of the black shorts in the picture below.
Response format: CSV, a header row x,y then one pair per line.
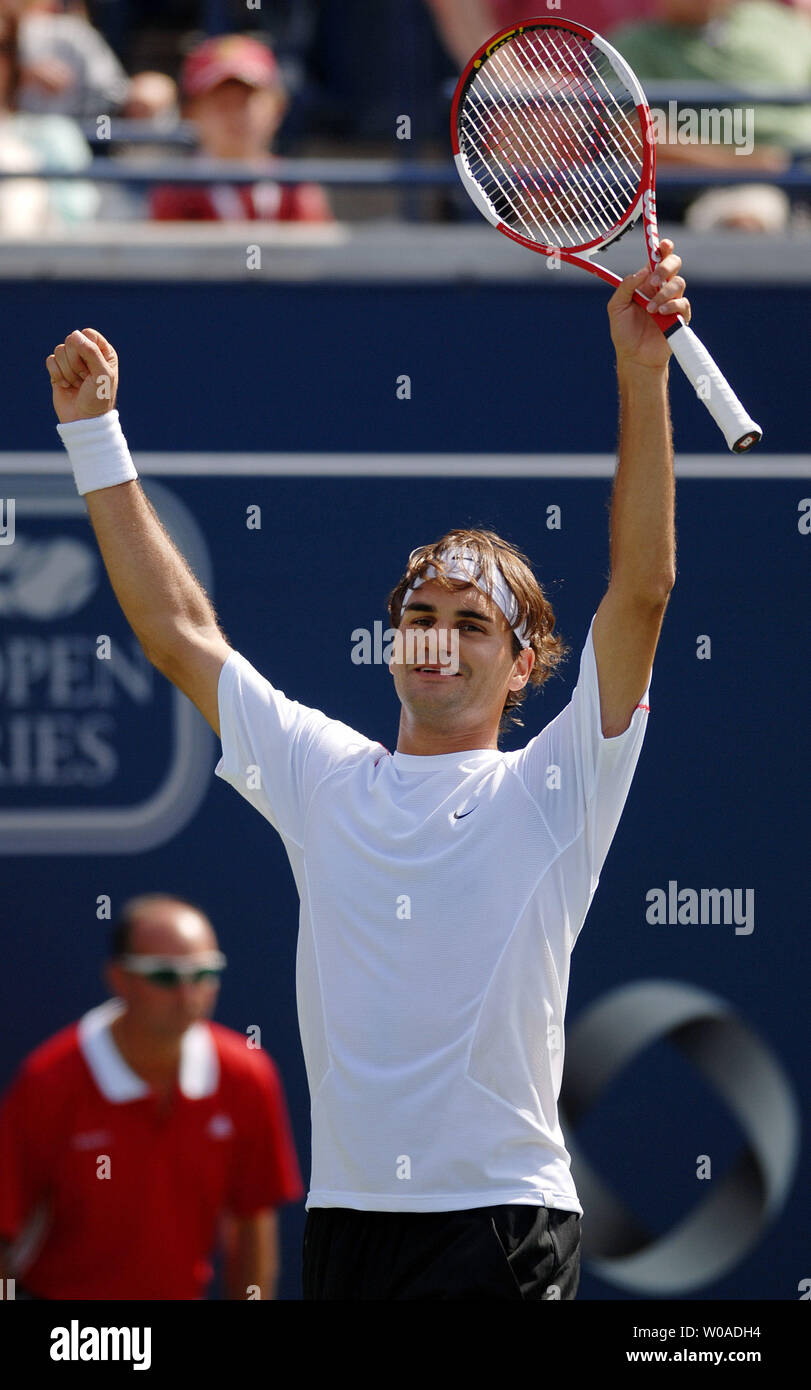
x,y
502,1252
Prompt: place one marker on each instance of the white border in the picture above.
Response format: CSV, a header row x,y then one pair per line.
x,y
371,465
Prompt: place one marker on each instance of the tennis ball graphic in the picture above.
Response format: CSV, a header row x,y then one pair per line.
x,y
46,579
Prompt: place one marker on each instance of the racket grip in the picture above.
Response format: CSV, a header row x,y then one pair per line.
x,y
711,387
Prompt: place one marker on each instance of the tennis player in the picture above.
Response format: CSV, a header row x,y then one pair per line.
x,y
442,885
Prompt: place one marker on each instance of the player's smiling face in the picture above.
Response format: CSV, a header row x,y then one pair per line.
x,y
465,699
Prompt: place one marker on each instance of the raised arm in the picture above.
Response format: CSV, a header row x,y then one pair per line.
x,y
164,604
643,544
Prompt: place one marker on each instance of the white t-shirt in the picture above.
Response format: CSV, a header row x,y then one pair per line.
x,y
441,897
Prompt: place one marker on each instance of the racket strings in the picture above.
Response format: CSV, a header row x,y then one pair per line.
x,y
551,136
570,140
533,209
554,195
619,125
584,78
605,136
559,195
571,145
536,191
508,140
558,115
626,129
622,125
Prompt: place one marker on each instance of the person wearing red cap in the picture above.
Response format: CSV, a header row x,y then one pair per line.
x,y
232,91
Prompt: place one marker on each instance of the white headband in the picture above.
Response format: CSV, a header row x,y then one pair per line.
x,y
462,564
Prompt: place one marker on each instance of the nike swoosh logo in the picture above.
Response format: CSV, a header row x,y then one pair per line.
x,y
460,815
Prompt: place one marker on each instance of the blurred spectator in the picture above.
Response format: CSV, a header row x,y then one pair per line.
x,y
28,141
134,1140
744,44
464,25
152,96
232,90
751,207
67,66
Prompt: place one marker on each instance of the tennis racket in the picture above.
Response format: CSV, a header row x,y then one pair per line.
x,y
553,140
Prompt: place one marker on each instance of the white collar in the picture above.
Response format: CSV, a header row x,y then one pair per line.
x,y
199,1071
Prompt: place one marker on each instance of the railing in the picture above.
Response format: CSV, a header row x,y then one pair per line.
x,y
406,172
367,173
659,94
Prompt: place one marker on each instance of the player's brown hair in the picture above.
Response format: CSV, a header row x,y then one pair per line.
x,y
493,552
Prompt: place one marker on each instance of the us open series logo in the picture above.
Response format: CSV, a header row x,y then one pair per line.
x,y
98,752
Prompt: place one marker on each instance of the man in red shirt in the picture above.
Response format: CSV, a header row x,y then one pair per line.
x,y
133,1141
232,91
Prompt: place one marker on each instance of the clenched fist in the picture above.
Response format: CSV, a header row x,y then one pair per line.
x,y
636,341
84,376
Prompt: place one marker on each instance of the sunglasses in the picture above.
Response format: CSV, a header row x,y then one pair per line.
x,y
167,972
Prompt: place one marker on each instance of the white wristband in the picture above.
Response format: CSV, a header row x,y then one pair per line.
x,y
98,452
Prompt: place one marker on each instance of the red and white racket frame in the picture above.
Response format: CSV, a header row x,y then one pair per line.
x,y
711,386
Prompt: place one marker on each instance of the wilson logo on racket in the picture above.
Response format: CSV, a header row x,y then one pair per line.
x,y
553,140
649,210
503,37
